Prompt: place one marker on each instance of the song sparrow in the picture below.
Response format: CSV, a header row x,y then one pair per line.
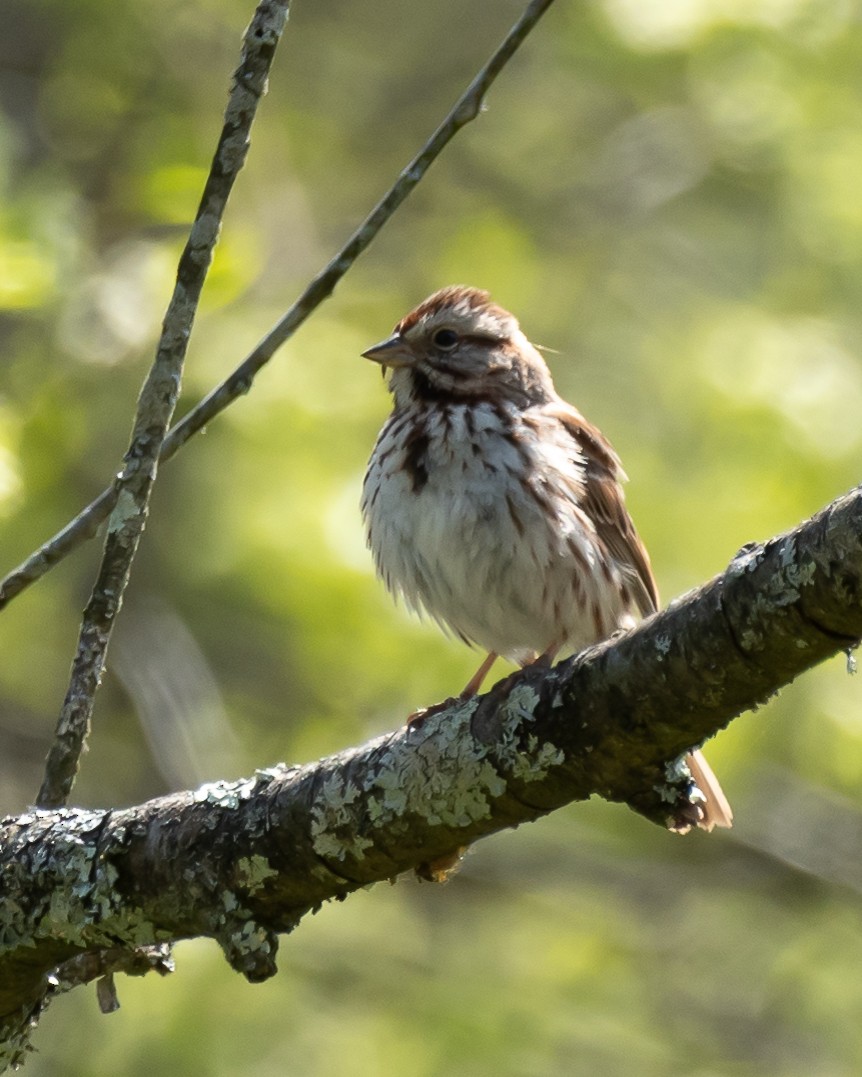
x,y
494,506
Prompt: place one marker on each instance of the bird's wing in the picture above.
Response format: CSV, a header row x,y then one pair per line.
x,y
604,503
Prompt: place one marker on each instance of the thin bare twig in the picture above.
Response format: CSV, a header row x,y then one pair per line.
x,y
86,523
131,490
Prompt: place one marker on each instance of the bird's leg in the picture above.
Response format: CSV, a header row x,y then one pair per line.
x,y
543,660
475,682
470,690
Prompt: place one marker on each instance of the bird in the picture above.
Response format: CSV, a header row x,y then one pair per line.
x,y
493,506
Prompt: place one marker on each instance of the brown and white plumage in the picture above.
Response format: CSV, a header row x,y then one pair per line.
x,y
492,504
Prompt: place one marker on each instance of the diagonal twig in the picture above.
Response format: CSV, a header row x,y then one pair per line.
x,y
468,106
130,493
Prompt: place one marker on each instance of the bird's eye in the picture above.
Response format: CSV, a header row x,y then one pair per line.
x,y
445,339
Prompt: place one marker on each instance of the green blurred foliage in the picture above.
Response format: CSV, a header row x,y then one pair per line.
x,y
668,196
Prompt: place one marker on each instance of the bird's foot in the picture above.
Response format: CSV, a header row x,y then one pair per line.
x,y
417,718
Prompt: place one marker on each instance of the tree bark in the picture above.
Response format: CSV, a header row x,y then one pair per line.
x,y
242,862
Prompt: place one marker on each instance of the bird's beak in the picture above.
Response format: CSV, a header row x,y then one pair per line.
x,y
394,351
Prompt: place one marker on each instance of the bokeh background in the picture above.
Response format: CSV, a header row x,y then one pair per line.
x,y
669,196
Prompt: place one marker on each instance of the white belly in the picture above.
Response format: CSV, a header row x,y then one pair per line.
x,y
457,533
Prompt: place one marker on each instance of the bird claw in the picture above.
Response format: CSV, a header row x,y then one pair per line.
x,y
417,718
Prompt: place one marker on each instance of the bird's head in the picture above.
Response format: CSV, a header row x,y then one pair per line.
x,y
459,345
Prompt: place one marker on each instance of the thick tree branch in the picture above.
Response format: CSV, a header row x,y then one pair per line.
x,y
467,108
241,862
132,488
